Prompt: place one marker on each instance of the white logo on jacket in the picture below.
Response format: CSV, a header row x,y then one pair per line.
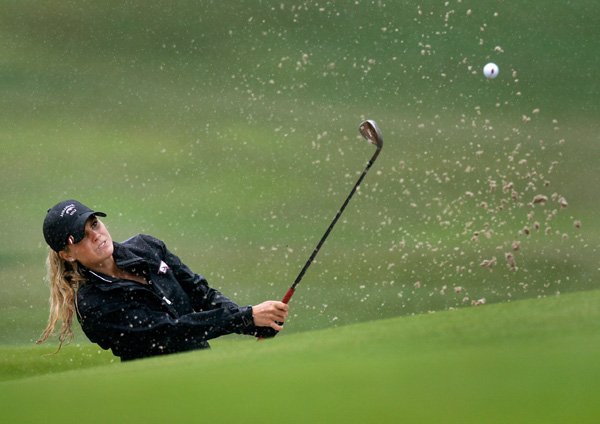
x,y
163,268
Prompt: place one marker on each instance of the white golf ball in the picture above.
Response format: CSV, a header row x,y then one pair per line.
x,y
491,70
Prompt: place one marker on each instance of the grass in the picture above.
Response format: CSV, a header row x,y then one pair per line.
x,y
522,362
33,361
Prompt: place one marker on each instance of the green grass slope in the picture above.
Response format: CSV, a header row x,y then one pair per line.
x,y
532,361
229,129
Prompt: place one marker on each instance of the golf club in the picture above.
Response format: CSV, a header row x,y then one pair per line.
x,y
371,132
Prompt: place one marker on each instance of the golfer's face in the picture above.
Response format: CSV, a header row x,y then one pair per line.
x,y
95,247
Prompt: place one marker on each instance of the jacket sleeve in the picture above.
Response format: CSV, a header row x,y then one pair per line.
x,y
203,297
135,326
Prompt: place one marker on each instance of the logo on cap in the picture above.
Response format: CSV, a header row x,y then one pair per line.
x,y
69,210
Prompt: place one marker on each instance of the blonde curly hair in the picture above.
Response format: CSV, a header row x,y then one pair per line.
x,y
64,279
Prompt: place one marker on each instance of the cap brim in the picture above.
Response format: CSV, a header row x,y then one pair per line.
x,y
78,232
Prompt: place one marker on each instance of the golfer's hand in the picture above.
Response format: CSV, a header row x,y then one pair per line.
x,y
270,314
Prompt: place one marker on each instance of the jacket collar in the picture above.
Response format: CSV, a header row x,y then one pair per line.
x,y
125,259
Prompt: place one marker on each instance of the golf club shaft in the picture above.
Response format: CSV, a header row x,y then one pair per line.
x,y
370,131
292,289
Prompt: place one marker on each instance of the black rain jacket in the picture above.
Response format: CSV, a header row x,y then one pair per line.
x,y
175,312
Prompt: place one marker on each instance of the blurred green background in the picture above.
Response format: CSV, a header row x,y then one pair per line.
x,y
229,130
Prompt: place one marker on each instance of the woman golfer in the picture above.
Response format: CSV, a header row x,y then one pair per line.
x,y
136,297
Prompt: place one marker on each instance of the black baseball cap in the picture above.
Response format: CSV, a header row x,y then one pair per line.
x,y
66,219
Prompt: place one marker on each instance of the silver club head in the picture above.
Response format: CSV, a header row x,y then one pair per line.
x,y
371,132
